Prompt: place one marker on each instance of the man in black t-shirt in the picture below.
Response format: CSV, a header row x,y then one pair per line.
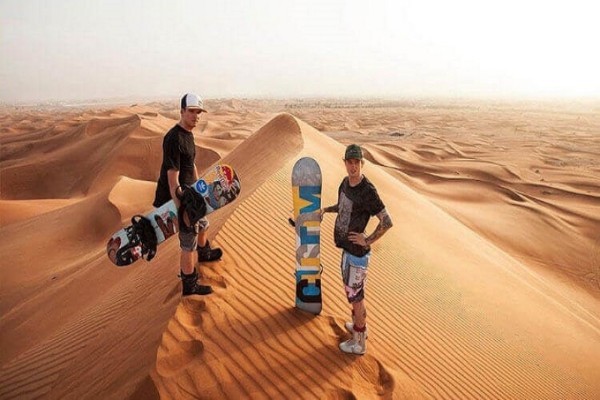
x,y
178,168
358,201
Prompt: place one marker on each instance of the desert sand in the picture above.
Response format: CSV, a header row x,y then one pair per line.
x,y
487,286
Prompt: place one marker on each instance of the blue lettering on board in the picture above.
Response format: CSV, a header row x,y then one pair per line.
x,y
307,238
311,194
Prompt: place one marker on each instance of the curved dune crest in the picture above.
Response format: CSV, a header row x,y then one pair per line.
x,y
67,163
266,150
131,196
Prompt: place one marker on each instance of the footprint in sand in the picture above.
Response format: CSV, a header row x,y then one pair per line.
x,y
217,280
339,394
189,312
368,379
375,376
172,360
371,378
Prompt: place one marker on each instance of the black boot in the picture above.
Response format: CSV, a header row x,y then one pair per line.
x,y
207,254
191,286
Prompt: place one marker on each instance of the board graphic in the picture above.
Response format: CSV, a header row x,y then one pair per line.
x,y
306,194
218,187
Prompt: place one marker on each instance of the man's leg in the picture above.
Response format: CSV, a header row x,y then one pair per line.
x,y
354,273
189,275
358,344
186,261
359,310
205,252
202,237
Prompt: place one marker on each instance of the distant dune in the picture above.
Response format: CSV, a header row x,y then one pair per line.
x,y
488,285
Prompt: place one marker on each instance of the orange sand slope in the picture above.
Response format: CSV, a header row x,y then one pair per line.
x,y
456,308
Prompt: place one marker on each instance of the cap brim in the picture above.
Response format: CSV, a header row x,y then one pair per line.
x,y
353,157
196,108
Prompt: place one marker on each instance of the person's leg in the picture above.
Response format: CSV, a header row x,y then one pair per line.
x,y
350,324
186,262
205,252
354,273
189,275
359,310
344,270
202,237
357,344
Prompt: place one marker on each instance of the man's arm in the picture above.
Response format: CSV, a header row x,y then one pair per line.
x,y
331,209
385,223
173,177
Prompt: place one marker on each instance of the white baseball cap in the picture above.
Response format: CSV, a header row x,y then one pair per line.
x,y
192,101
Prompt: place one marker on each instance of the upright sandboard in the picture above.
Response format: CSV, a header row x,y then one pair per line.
x,y
306,194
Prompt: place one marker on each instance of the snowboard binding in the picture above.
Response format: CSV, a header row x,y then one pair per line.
x,y
144,236
192,205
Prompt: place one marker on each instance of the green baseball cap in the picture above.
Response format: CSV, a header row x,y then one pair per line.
x,y
353,151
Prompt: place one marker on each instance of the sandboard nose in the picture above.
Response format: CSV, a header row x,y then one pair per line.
x,y
306,172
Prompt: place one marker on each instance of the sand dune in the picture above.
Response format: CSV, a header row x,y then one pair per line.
x,y
486,287
516,208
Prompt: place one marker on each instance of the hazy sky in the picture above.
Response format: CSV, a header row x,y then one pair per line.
x,y
65,50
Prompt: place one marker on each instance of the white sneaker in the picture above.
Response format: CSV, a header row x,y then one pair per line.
x,y
356,345
350,328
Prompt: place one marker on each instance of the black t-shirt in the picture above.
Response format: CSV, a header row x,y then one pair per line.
x,y
179,152
356,205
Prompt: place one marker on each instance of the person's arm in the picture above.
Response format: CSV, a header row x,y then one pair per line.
x,y
330,209
174,189
385,223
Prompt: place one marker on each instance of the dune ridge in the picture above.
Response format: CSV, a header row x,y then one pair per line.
x,y
458,307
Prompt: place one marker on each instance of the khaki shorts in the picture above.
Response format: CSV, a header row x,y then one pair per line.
x,y
188,240
354,274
